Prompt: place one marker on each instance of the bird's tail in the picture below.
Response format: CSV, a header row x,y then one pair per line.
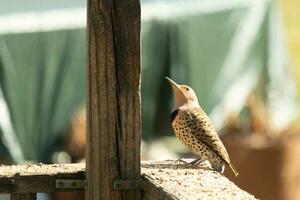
x,y
233,169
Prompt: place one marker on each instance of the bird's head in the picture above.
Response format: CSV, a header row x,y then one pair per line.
x,y
185,96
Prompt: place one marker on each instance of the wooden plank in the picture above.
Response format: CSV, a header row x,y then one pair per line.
x,y
114,120
29,196
56,170
39,178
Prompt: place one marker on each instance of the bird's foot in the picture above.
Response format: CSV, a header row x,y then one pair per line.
x,y
182,161
196,161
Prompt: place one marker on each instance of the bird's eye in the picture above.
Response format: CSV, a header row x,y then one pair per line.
x,y
187,89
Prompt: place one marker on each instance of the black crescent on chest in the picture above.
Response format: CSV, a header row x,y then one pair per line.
x,y
173,114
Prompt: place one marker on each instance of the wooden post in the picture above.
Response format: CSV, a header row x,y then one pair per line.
x,y
114,119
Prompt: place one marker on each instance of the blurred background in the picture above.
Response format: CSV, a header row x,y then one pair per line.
x,y
242,57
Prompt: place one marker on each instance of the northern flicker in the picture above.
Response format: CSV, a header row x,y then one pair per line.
x,y
193,127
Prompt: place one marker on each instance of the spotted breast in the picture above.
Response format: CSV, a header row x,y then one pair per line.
x,y
195,130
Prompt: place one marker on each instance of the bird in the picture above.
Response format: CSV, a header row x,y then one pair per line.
x,y
194,128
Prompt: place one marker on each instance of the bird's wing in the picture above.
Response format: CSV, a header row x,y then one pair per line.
x,y
204,131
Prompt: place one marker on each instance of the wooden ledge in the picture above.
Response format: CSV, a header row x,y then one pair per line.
x,y
57,170
160,180
177,180
31,178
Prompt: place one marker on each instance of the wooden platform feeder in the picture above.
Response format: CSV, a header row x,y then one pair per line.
x,y
113,167
159,180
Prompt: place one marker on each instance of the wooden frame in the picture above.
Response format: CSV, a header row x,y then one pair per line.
x,y
159,180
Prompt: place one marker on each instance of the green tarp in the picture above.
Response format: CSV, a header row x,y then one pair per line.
x,y
42,79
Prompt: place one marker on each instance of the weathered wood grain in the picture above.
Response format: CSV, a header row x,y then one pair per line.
x,y
114,120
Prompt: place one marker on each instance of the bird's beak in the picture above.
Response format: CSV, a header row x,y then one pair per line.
x,y
180,98
174,85
176,88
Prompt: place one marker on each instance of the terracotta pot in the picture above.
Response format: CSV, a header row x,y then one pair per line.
x,y
268,169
